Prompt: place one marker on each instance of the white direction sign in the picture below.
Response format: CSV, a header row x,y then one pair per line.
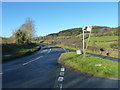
x,y
88,28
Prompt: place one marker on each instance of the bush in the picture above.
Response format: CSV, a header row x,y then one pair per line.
x,y
53,43
20,37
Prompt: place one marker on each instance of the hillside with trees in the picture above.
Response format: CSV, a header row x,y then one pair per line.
x,y
101,38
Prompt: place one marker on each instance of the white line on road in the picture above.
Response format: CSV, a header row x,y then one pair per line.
x,y
63,69
60,86
35,59
62,73
49,51
64,49
60,79
32,60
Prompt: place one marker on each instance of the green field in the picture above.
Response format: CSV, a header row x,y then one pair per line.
x,y
104,44
88,64
103,41
104,38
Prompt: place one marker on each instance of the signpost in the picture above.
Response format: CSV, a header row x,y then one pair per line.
x,y
84,28
88,28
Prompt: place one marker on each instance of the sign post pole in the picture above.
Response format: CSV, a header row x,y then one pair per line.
x,y
83,40
89,28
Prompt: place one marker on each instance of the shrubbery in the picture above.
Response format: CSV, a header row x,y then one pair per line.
x,y
25,33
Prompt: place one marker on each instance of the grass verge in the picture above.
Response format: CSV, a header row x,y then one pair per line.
x,y
14,51
88,64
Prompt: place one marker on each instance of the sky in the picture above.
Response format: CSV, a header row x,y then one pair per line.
x,y
52,17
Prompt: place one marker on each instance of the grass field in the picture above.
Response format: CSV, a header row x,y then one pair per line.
x,y
104,44
104,38
88,65
15,50
103,41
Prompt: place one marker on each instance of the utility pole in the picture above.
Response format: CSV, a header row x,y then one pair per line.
x,y
84,28
83,39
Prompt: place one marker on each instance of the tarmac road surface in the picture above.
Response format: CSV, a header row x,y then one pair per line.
x,y
41,70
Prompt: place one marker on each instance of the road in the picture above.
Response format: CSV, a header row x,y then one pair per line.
x,y
41,70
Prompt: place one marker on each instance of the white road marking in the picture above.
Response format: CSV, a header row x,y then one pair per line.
x,y
64,49
63,69
32,60
62,73
60,79
49,51
35,59
60,86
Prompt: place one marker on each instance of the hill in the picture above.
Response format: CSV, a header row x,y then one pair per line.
x,y
101,38
74,32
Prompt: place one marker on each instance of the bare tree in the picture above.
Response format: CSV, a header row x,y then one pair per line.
x,y
29,29
25,33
